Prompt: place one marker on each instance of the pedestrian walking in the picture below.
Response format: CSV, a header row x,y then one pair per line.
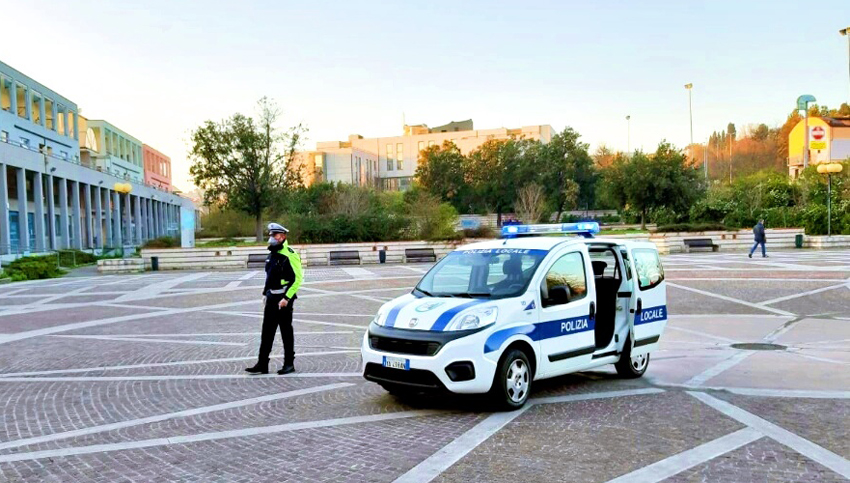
x,y
758,235
283,278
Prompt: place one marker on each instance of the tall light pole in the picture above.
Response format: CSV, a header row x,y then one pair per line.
x,y
803,104
846,33
689,87
628,134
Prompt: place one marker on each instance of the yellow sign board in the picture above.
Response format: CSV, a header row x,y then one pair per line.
x,y
817,144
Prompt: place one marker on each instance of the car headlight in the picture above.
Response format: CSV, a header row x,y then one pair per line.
x,y
380,319
474,319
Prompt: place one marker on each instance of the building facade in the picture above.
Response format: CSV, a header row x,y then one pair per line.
x,y
157,168
829,141
108,149
390,162
49,200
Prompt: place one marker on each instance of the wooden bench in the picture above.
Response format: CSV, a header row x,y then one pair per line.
x,y
419,255
344,257
700,243
256,260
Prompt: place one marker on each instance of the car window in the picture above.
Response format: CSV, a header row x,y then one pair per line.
x,y
604,264
483,273
567,273
648,267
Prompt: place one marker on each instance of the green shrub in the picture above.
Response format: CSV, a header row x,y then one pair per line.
x,y
33,268
73,258
691,227
482,231
162,242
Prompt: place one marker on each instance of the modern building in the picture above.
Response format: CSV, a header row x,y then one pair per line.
x,y
829,141
157,168
50,201
390,162
108,149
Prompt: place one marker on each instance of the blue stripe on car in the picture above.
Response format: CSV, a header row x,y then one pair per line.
x,y
540,331
447,316
394,312
651,314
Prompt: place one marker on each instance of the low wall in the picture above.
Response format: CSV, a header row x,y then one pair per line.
x,y
120,265
741,240
827,242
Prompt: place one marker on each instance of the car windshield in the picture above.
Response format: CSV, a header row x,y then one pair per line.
x,y
484,273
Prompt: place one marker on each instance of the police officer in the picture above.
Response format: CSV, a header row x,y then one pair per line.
x,y
283,277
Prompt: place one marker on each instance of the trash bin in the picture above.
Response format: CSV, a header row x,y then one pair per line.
x,y
155,263
382,256
798,240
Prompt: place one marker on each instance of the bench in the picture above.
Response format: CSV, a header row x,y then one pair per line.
x,y
344,257
419,255
700,243
256,260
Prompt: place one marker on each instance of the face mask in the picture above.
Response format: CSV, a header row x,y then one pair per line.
x,y
273,242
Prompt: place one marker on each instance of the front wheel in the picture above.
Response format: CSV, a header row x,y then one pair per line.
x,y
630,366
512,382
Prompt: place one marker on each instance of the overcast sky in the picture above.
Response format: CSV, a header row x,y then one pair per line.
x,y
157,69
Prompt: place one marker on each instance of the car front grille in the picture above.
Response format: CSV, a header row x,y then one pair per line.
x,y
404,346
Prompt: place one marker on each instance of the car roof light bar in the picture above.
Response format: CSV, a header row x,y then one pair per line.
x,y
585,229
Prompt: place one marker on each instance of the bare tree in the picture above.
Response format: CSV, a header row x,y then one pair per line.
x,y
530,203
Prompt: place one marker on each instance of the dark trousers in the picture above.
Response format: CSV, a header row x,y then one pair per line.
x,y
274,317
755,245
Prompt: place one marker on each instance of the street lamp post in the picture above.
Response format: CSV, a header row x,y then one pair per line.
x,y
846,33
803,104
829,170
690,110
628,134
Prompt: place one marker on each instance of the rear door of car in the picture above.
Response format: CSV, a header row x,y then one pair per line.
x,y
648,304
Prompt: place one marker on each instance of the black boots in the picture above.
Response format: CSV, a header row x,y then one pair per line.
x,y
286,369
259,368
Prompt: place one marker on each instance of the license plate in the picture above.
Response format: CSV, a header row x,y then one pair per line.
x,y
397,363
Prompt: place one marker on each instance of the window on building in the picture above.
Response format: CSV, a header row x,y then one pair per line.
x,y
5,93
431,143
399,156
389,157
60,119
25,142
35,107
421,146
70,125
22,100
48,114
4,136
63,155
14,240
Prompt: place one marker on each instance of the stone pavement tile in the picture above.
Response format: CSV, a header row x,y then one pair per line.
x,y
50,318
369,452
831,301
6,303
822,421
80,299
189,322
754,273
592,440
739,328
40,408
755,293
781,370
586,382
762,460
354,285
678,363
681,301
816,330
185,301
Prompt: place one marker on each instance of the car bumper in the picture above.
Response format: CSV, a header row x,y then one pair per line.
x,y
429,372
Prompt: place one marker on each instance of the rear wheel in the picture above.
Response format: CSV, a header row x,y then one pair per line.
x,y
630,366
512,382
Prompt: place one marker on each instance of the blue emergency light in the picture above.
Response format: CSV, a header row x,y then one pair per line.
x,y
585,229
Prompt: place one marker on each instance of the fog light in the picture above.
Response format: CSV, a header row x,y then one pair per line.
x,y
460,371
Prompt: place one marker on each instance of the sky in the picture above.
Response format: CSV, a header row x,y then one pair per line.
x,y
158,69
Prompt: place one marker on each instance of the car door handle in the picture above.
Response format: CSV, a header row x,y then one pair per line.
x,y
592,313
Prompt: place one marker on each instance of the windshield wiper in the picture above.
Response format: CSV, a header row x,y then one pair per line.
x,y
425,292
471,295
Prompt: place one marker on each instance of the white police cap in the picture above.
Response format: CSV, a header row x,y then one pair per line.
x,y
276,228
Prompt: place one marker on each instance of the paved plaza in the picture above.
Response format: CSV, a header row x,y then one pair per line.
x,y
140,378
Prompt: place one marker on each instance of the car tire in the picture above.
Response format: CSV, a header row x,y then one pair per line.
x,y
512,382
629,367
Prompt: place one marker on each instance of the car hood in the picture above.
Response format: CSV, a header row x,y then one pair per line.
x,y
427,313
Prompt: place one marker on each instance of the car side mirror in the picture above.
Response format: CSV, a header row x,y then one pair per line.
x,y
559,295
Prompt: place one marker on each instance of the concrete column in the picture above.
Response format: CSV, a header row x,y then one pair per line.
x,y
98,217
108,240
23,231
137,216
155,218
152,217
51,214
116,220
5,240
128,220
143,221
64,230
76,131
38,199
89,218
76,220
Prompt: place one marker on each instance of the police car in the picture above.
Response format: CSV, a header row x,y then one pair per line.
x,y
493,317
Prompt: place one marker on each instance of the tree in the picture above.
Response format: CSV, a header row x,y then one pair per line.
x,y
530,203
603,157
243,164
441,171
561,160
497,169
643,182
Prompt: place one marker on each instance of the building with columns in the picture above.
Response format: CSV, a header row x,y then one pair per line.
x,y
390,162
49,200
107,148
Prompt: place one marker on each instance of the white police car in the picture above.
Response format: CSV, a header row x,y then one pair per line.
x,y
495,316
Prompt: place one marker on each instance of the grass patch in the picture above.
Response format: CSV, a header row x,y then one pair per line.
x,y
229,242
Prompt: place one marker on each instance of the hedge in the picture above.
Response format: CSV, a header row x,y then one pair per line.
x,y
33,268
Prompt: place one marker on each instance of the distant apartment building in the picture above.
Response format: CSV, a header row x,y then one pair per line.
x,y
51,198
390,162
157,168
106,148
